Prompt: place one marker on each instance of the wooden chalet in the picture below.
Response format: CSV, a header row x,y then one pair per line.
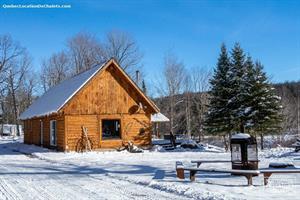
x,y
103,99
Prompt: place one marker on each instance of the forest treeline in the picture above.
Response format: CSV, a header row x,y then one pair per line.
x,y
180,92
288,91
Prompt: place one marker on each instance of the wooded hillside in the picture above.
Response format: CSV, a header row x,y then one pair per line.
x,y
287,91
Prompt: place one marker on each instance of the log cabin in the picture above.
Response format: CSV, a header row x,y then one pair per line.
x,y
104,100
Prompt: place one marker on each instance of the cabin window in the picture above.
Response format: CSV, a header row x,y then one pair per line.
x,y
111,129
236,152
53,133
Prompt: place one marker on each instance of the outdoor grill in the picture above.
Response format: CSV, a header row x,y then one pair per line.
x,y
244,152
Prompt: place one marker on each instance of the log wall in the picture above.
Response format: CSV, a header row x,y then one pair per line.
x,y
109,92
135,128
32,131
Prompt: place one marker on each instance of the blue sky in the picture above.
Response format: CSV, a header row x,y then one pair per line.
x,y
194,30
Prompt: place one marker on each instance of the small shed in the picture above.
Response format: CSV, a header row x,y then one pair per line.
x,y
244,152
104,100
156,119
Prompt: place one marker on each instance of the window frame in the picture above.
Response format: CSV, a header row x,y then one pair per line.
x,y
235,157
41,132
252,152
120,129
53,130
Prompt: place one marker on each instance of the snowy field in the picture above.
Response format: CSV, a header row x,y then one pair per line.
x,y
30,172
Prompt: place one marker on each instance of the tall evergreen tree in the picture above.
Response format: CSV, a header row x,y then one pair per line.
x,y
218,118
265,105
241,97
246,94
238,87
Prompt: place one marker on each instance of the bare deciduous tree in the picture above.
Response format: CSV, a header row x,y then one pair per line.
x,y
188,104
174,76
27,90
199,86
14,61
124,49
9,51
84,52
54,70
14,79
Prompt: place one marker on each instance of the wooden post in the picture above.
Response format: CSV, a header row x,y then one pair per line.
x,y
266,177
179,170
193,175
249,178
180,173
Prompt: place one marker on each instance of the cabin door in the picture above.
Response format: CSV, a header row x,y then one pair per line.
x,y
53,133
41,132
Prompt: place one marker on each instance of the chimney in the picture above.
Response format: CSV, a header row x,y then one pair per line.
x,y
137,77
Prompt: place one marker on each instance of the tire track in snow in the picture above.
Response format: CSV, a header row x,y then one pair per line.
x,y
139,191
110,184
42,189
35,191
7,191
161,188
74,186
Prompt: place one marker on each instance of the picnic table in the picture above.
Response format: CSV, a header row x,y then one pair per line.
x,y
246,173
267,172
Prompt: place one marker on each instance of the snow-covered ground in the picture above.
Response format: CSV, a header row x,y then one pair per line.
x,y
30,172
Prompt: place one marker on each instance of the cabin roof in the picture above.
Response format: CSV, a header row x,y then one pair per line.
x,y
159,117
56,97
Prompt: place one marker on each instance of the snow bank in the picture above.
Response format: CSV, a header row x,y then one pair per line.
x,y
278,152
157,148
186,145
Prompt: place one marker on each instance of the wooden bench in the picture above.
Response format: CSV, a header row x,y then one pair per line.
x,y
180,172
268,172
199,162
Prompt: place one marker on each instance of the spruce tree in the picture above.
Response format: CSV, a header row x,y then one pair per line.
x,y
238,87
241,97
246,109
265,105
218,118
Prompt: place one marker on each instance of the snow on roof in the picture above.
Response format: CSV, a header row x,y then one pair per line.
x,y
56,97
159,117
240,136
